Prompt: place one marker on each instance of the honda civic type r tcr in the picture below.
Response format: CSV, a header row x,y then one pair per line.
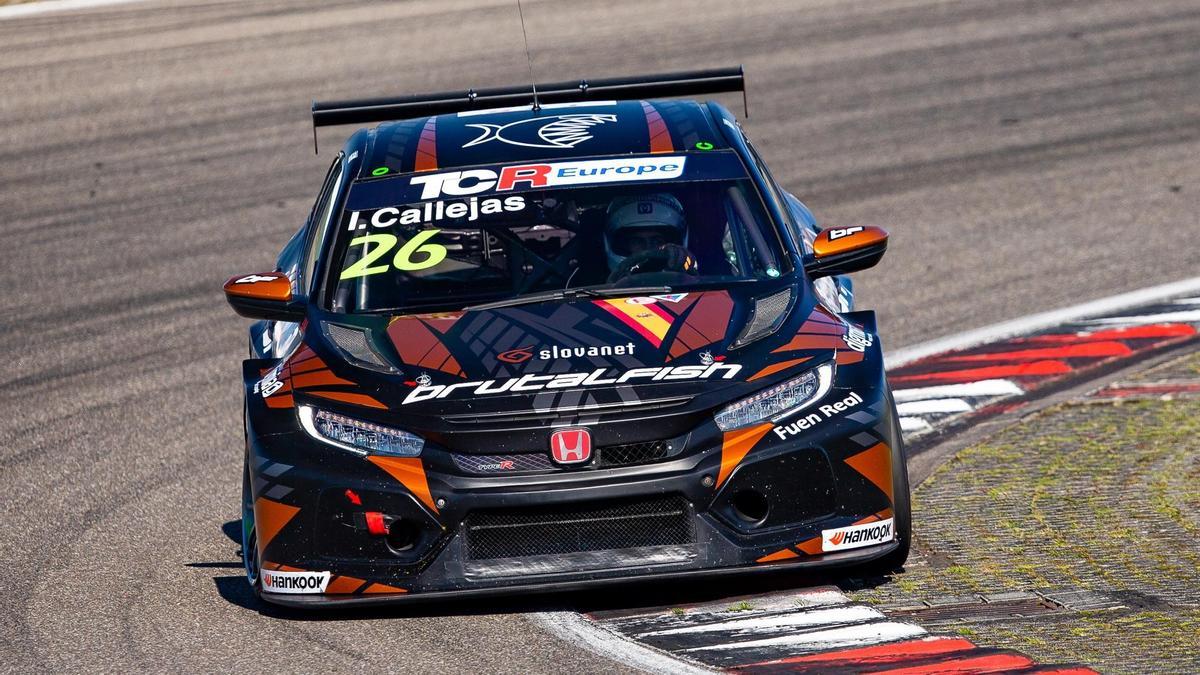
x,y
544,343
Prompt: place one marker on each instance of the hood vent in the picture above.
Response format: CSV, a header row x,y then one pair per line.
x,y
357,348
766,316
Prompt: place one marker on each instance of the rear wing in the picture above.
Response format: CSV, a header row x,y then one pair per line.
x,y
690,83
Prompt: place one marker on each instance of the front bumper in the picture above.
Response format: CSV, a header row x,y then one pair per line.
x,y
828,561
835,473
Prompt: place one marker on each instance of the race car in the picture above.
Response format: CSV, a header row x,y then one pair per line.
x,y
541,339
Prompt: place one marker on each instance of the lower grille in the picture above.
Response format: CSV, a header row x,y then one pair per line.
x,y
515,533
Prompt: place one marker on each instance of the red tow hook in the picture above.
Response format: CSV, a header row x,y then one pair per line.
x,y
376,525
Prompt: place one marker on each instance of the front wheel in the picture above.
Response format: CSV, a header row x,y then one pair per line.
x,y
250,555
901,502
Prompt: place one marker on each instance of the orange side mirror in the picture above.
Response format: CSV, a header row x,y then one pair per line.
x,y
263,296
841,250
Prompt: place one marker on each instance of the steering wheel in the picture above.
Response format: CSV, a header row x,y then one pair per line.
x,y
670,258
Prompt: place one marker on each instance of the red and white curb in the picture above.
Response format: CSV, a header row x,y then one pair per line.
x,y
935,390
812,630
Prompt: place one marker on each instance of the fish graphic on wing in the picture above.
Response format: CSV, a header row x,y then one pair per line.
x,y
558,131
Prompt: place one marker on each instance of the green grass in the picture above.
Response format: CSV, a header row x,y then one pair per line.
x,y
1095,496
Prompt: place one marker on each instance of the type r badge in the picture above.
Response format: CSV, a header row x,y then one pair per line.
x,y
571,446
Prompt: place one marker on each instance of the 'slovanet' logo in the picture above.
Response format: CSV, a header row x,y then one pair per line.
x,y
518,355
571,446
557,131
523,354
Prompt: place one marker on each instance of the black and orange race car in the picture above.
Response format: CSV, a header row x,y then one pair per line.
x,y
538,344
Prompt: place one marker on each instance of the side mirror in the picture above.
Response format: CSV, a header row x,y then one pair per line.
x,y
264,296
841,250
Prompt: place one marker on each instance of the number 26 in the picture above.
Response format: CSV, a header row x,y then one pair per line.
x,y
403,261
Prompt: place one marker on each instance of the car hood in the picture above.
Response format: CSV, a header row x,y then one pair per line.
x,y
557,337
651,366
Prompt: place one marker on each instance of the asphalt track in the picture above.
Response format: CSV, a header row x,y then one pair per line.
x,y
1025,156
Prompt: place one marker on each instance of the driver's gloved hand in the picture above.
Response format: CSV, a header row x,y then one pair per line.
x,y
666,258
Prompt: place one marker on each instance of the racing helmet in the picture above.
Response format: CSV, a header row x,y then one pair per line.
x,y
627,215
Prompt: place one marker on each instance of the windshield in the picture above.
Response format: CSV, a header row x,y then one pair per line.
x,y
447,253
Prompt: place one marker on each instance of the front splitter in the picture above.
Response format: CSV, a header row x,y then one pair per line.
x,y
535,587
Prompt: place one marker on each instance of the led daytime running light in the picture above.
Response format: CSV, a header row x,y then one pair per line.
x,y
358,436
780,401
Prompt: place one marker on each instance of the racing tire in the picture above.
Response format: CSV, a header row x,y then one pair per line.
x,y
901,503
251,560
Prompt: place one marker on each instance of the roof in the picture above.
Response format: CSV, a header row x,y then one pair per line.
x,y
556,131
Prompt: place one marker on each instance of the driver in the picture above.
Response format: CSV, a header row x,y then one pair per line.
x,y
644,234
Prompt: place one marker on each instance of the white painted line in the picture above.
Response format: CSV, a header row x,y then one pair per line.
x,y
32,8
816,599
1188,316
835,638
814,617
1035,322
805,598
577,631
980,389
911,424
933,406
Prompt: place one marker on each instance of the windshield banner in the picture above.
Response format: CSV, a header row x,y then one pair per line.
x,y
409,189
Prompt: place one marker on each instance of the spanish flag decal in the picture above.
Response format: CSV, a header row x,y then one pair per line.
x,y
649,320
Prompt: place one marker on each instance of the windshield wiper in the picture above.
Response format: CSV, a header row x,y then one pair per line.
x,y
569,294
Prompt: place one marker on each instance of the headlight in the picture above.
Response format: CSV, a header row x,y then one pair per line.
x,y
779,401
357,436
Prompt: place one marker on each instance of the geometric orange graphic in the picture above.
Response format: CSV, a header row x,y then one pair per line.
x,y
269,518
875,463
735,446
410,473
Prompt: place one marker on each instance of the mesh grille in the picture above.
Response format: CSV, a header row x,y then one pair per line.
x,y
489,464
767,313
606,457
631,453
354,342
513,533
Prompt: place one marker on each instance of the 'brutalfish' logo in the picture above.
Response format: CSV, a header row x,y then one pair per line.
x,y
558,131
532,382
